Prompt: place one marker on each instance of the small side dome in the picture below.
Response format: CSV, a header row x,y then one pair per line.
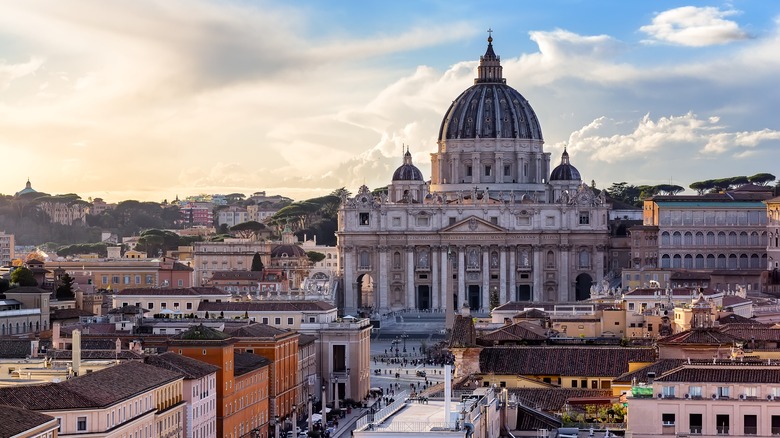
x,y
287,250
407,171
565,171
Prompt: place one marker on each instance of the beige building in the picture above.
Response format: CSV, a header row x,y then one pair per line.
x,y
495,219
230,255
6,248
708,400
130,399
174,301
22,423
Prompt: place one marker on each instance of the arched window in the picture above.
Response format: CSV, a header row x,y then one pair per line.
x,y
721,261
676,238
397,260
754,240
743,261
688,261
743,238
666,262
710,264
732,263
584,259
721,238
677,261
698,263
688,238
665,238
732,238
710,238
550,259
755,262
699,238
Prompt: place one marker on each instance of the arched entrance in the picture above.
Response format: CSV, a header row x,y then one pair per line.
x,y
423,297
365,292
582,289
474,297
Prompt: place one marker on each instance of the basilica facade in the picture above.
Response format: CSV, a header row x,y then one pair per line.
x,y
493,224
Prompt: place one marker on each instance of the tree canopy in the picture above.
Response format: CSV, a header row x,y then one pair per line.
x,y
249,230
65,289
23,277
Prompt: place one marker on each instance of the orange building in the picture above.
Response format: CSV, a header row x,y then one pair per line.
x,y
281,348
242,381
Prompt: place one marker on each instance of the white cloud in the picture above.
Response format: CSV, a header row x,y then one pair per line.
x,y
10,72
694,26
685,137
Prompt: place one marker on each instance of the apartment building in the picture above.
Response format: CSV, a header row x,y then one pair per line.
x,y
232,215
129,399
6,248
230,255
173,301
120,274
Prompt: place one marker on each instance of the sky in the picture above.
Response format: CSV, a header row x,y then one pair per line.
x,y
150,100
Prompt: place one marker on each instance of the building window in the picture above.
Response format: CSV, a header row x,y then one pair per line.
x,y
189,306
423,221
277,321
468,170
494,220
181,283
105,279
364,218
723,392
265,320
396,221
584,218
149,279
150,306
722,424
163,305
507,170
751,424
137,279
289,321
695,422
694,391
488,170
667,419
668,391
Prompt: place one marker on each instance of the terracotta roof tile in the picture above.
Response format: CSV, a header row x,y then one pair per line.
x,y
15,348
256,330
737,373
562,361
186,366
658,367
15,420
553,399
246,362
521,331
188,291
709,336
463,333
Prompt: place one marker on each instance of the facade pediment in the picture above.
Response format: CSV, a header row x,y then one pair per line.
x,y
473,224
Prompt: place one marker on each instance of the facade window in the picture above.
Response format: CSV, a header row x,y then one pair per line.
x,y
507,170
423,221
115,279
105,279
127,279
668,391
163,305
180,283
468,170
364,218
694,391
488,170
149,279
277,321
265,320
289,321
137,279
722,424
584,218
750,423
584,259
695,422
667,419
150,306
189,306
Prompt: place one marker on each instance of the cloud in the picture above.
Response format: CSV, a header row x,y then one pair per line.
x,y
694,26
10,72
686,136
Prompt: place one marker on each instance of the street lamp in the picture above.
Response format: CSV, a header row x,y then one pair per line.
x,y
294,427
324,409
404,336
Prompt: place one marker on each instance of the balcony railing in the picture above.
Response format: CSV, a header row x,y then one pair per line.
x,y
751,430
722,430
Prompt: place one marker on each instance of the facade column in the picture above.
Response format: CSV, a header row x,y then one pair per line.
x,y
350,300
410,302
383,285
461,277
435,289
520,176
538,169
455,174
475,169
445,281
598,263
499,168
485,278
502,274
564,288
538,287
510,296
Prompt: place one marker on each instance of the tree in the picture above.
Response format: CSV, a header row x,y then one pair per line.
x,y
249,230
315,256
23,277
669,189
494,301
701,187
257,263
761,179
65,289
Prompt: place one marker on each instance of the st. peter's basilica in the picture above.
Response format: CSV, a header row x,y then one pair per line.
x,y
494,224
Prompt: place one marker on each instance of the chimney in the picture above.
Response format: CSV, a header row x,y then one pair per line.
x,y
76,357
650,377
118,345
55,336
34,349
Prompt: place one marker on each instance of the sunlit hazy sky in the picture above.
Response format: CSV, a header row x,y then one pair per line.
x,y
152,99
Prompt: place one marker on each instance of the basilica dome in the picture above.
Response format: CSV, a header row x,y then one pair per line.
x,y
565,171
407,171
490,108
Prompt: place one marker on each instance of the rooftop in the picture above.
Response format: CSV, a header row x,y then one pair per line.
x,y
188,367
